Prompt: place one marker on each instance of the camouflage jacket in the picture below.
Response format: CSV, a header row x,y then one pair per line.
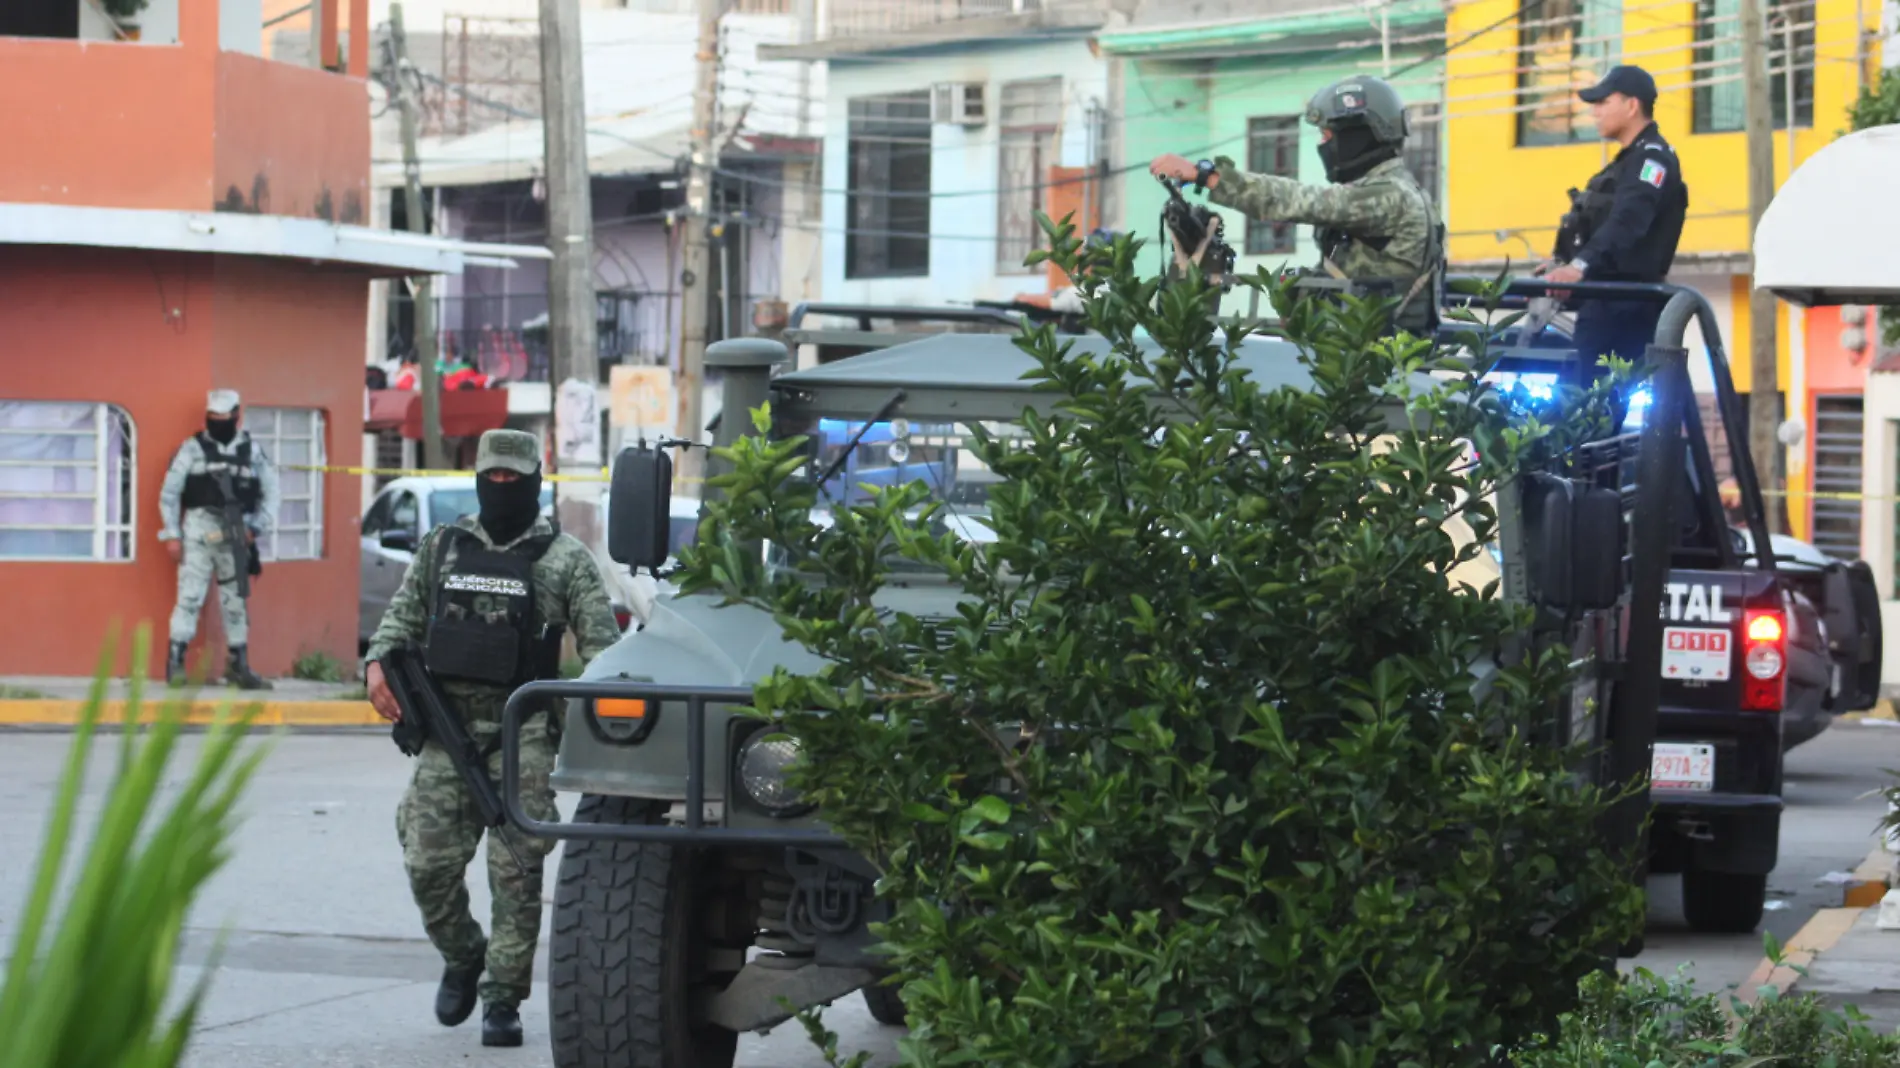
x,y
568,591
1381,226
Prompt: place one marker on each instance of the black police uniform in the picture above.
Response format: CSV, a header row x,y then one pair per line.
x,y
1634,241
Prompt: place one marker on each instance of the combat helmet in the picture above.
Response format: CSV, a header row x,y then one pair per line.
x,y
1360,101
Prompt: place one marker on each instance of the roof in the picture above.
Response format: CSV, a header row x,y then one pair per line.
x,y
638,71
980,376
1209,28
1051,18
1803,249
385,253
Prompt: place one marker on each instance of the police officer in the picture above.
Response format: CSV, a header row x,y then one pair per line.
x,y
501,578
1628,220
1375,227
222,455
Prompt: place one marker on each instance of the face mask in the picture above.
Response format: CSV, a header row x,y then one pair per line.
x,y
1351,153
222,431
508,509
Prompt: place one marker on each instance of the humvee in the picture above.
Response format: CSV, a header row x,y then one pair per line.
x,y
698,895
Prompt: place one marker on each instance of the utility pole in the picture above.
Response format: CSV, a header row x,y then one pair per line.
x,y
575,377
1764,389
695,307
422,292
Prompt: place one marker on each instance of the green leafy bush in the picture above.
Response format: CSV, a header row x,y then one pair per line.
x,y
1649,1021
1196,774
88,986
316,666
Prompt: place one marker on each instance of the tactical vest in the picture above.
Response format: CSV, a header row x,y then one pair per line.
x,y
483,626
1417,311
201,487
1589,210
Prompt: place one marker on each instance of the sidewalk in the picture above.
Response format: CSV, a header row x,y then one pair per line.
x,y
47,701
1847,958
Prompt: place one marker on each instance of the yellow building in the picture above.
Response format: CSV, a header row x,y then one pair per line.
x,y
1517,138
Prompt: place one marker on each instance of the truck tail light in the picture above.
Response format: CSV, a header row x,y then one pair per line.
x,y
1764,662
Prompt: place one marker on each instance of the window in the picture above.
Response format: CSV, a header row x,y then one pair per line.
x,y
887,204
1273,147
1563,46
67,481
1838,423
1028,144
1422,156
1719,103
292,437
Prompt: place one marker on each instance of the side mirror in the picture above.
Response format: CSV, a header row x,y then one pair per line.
x,y
1575,535
400,540
639,508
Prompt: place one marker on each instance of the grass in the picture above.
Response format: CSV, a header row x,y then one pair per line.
x,y
20,693
88,981
317,666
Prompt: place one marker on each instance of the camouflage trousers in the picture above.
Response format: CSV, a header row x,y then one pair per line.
x,y
207,556
440,828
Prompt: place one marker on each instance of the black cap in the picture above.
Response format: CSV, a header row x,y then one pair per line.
x,y
1630,81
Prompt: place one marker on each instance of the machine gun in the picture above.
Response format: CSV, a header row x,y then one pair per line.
x,y
1197,234
426,714
231,521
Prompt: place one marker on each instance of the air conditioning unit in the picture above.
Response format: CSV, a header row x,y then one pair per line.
x,y
958,104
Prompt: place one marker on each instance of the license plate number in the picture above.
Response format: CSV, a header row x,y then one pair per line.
x,y
1695,654
1682,767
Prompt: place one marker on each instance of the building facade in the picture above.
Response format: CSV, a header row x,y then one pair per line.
x,y
176,215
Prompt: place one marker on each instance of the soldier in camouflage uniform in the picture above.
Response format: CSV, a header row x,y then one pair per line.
x,y
437,821
1377,230
191,509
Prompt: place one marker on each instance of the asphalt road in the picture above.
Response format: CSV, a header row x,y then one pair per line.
x,y
324,964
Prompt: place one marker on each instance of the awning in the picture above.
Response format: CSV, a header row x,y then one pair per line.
x,y
466,413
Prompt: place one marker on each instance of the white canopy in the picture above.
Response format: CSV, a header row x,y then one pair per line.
x,y
1832,234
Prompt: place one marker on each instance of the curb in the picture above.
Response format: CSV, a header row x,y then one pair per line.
x,y
67,713
1823,932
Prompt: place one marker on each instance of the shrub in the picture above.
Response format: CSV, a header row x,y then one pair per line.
x,y
88,987
316,666
1196,774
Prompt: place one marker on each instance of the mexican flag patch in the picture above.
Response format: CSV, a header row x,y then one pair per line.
x,y
1653,173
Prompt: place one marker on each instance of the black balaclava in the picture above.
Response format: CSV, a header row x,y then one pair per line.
x,y
508,509
1352,152
223,431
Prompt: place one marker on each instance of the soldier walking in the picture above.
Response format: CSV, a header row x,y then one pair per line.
x,y
488,598
213,471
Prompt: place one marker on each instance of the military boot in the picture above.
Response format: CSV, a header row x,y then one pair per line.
x,y
455,998
175,664
501,1025
239,672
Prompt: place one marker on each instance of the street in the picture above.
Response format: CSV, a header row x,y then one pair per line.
x,y
324,963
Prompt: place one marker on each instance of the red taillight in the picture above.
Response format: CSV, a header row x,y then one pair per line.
x,y
1764,662
622,616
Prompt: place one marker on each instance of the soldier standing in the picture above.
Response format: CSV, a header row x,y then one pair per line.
x,y
499,579
1376,229
213,469
1627,222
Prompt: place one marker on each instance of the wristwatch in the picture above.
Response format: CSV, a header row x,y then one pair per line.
x,y
1582,266
1202,172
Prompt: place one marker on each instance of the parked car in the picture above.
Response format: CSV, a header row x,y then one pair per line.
x,y
403,511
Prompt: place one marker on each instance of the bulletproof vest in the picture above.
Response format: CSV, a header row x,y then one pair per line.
x,y
1417,313
201,488
1589,210
483,626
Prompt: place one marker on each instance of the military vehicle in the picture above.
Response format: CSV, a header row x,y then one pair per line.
x,y
698,894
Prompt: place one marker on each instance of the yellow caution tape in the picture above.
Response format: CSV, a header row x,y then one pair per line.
x,y
602,475
1816,494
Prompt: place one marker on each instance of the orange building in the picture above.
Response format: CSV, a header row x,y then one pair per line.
x,y
179,214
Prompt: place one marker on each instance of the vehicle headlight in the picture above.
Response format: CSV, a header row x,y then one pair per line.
x,y
764,758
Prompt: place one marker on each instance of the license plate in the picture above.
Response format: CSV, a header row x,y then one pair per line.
x,y
1695,654
1682,767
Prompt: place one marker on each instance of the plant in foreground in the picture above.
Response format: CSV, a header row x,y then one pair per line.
x,y
88,986
1195,774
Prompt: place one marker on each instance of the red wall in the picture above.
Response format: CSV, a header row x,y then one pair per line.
x,y
314,167
90,325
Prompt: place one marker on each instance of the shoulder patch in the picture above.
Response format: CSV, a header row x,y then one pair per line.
x,y
1653,173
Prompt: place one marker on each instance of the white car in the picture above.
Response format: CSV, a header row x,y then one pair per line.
x,y
403,511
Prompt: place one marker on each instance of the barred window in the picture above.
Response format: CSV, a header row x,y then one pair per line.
x,y
292,438
1273,147
1718,105
1028,144
1422,155
68,481
887,195
1563,46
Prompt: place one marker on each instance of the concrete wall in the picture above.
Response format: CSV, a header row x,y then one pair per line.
x,y
964,168
291,140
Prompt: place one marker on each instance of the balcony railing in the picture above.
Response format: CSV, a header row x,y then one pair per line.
x,y
864,18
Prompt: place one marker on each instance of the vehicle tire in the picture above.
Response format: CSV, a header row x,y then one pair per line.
x,y
628,950
886,1007
1718,902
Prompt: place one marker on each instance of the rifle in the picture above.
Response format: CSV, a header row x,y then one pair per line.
x,y
231,516
1198,235
426,714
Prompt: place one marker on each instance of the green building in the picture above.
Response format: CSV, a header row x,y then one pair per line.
x,y
1225,79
